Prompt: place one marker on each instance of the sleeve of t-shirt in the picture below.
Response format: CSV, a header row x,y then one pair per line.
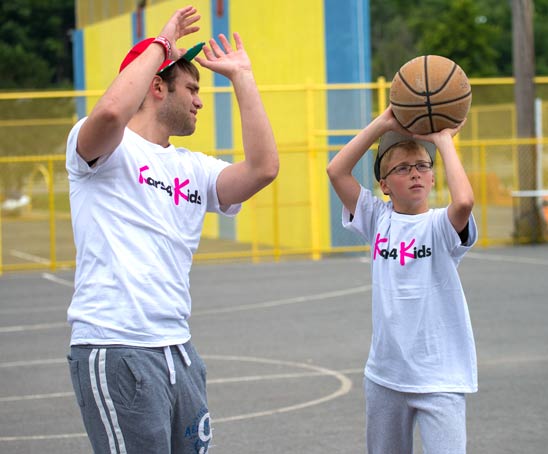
x,y
453,241
368,207
76,166
214,166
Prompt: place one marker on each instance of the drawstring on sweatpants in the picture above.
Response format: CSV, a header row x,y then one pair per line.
x,y
171,364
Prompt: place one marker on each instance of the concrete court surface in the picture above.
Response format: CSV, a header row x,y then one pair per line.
x,y
285,344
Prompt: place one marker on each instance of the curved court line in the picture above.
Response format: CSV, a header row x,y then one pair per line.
x,y
344,388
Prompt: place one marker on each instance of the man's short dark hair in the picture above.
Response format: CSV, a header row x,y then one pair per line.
x,y
169,74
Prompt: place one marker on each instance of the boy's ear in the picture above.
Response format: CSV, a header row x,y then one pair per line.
x,y
384,187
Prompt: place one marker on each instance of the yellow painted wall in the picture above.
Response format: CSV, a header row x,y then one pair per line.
x,y
106,44
285,41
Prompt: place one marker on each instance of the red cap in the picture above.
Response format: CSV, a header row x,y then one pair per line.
x,y
137,50
140,47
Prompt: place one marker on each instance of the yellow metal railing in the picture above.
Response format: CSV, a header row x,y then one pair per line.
x,y
41,238
260,248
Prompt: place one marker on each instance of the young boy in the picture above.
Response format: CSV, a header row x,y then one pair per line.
x,y
422,358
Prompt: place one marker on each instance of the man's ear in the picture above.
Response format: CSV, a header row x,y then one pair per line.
x,y
158,87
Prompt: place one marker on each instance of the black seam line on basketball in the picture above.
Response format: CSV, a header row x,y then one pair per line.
x,y
449,76
430,117
410,88
441,103
427,92
428,105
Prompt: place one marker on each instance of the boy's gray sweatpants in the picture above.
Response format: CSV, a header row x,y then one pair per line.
x,y
391,416
142,400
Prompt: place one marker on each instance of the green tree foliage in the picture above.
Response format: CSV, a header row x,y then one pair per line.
x,y
462,32
35,45
475,33
36,48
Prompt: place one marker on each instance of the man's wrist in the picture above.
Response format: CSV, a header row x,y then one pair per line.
x,y
166,44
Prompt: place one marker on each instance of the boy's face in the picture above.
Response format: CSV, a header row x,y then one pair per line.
x,y
408,191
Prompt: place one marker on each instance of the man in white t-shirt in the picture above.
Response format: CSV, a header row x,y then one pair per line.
x,y
138,206
422,358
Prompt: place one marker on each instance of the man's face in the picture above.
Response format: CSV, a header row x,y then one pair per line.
x,y
180,107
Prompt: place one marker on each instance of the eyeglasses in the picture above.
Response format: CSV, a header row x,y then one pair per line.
x,y
405,169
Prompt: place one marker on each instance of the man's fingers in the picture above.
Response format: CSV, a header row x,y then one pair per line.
x,y
225,43
238,41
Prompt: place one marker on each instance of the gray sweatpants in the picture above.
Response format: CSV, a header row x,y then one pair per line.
x,y
142,400
391,416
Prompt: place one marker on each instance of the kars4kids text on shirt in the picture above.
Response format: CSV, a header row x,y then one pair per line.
x,y
175,190
405,251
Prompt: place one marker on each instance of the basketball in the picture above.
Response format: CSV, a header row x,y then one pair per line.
x,y
430,93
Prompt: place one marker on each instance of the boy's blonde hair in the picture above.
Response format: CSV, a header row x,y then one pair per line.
x,y
391,138
409,145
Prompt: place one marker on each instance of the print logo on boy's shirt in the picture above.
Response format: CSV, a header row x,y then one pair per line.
x,y
174,191
405,251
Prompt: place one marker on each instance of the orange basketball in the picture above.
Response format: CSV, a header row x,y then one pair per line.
x,y
430,93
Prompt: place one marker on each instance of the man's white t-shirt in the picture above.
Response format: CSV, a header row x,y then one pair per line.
x,y
137,217
422,337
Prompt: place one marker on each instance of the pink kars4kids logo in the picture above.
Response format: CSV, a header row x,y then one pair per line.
x,y
406,250
175,190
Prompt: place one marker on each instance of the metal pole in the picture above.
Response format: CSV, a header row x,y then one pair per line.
x,y
527,221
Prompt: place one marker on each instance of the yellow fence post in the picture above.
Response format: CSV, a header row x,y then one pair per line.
x,y
276,221
51,205
1,236
312,174
483,195
254,231
381,94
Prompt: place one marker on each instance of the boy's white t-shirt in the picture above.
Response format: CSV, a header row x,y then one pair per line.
x,y
137,217
422,337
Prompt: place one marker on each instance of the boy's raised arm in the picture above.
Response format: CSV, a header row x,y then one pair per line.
x,y
340,168
460,189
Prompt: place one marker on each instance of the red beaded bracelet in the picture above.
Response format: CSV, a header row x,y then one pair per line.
x,y
166,44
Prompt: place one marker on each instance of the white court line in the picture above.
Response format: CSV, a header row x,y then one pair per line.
x,y
344,387
44,437
243,307
286,301
32,310
30,257
506,258
57,280
215,381
320,372
36,397
36,327
35,362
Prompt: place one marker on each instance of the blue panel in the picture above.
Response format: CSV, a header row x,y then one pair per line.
x,y
78,68
138,25
223,111
348,60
